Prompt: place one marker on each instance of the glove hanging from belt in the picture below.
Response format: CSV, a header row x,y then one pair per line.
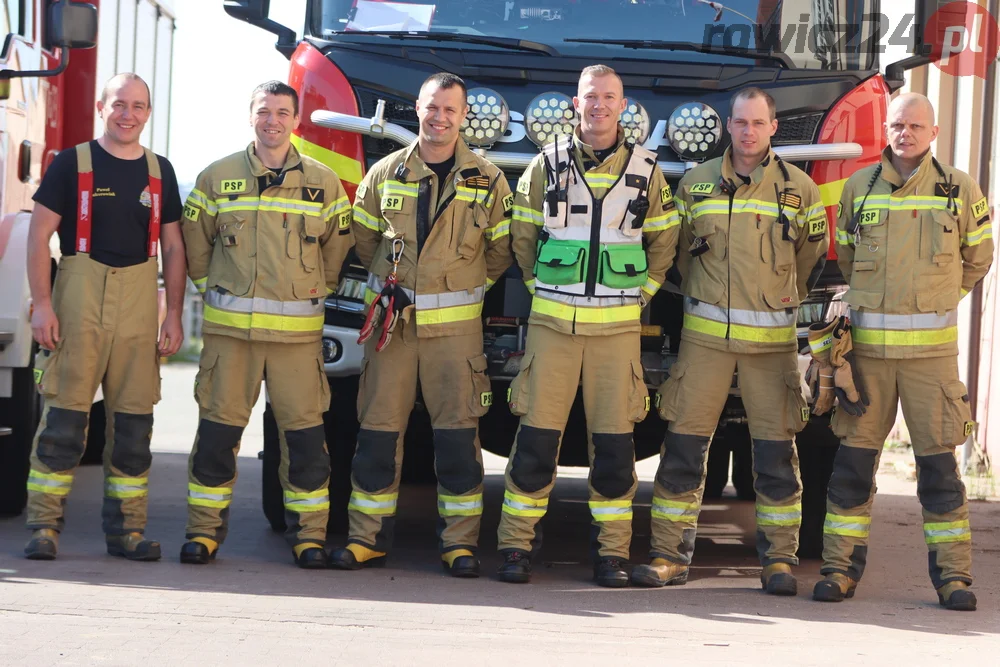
x,y
384,312
819,376
846,380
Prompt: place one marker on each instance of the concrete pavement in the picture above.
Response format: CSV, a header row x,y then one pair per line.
x,y
252,607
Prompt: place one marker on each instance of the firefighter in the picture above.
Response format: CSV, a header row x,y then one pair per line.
x,y
266,230
113,203
432,223
594,231
913,237
753,241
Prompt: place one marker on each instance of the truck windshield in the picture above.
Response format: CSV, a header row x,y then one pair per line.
x,y
813,34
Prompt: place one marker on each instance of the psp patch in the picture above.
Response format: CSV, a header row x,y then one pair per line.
x,y
312,194
524,186
486,399
233,185
345,220
191,212
970,426
647,403
508,203
392,203
869,218
805,414
361,191
665,195
817,229
980,208
701,188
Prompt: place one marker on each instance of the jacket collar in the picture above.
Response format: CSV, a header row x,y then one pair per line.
x,y
586,152
759,173
257,168
464,158
893,177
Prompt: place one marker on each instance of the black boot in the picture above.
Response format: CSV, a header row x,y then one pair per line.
x,y
196,553
516,568
311,558
43,545
133,546
463,567
355,557
611,572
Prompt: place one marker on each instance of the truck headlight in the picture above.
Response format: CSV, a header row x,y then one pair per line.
x,y
487,119
635,121
694,131
548,116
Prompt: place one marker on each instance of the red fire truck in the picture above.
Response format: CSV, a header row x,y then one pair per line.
x,y
360,64
47,103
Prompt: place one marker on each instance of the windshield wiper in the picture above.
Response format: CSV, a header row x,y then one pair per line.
x,y
501,42
690,46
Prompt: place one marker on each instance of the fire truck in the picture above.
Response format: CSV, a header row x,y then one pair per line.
x,y
358,69
50,78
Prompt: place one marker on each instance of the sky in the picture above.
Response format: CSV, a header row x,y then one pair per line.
x,y
217,63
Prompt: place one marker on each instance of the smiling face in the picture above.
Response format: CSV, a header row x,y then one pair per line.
x,y
599,102
273,118
441,112
125,110
751,128
910,127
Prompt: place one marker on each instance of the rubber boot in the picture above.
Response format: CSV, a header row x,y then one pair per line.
x,y
310,556
199,551
777,579
611,572
660,572
355,557
956,596
43,545
133,546
516,567
834,588
461,563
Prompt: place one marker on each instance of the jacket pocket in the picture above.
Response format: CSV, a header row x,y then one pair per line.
x,y
312,229
230,264
796,410
944,238
938,301
47,370
783,250
204,380
956,419
638,399
857,298
561,263
519,392
482,393
706,229
667,396
623,266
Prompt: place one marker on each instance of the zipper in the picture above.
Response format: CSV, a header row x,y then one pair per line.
x,y
595,246
729,267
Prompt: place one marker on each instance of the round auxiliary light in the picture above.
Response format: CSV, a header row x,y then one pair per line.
x,y
694,131
635,121
487,119
548,116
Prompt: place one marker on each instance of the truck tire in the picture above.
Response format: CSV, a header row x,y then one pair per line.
x,y
96,435
21,413
817,447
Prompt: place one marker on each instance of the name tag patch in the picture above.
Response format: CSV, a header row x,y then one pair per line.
x,y
817,226
392,203
233,185
345,220
508,203
191,212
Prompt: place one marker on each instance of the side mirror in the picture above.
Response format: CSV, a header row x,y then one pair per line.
x,y
71,25
255,12
921,55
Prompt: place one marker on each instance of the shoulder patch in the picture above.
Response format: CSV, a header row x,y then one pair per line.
x,y
665,195
790,199
816,228
701,188
191,212
980,208
840,209
361,191
524,186
508,203
345,220
312,194
233,185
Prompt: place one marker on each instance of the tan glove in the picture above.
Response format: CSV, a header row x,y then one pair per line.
x,y
819,375
846,380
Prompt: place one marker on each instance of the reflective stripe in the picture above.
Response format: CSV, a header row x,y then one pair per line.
x,y
53,483
362,217
460,505
200,284
888,202
336,207
530,285
574,294
673,510
595,180
661,222
524,214
585,315
680,205
209,496
843,238
309,501
610,510
449,299
904,338
738,332
265,203
463,193
396,188
651,287
950,531
373,504
777,515
239,304
869,320
125,487
262,321
718,206
198,198
498,232
752,318
519,505
821,345
450,315
489,283
849,526
978,236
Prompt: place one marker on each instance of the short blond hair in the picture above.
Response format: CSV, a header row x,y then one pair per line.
x,y
594,71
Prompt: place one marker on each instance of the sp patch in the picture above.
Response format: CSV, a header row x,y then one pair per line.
x,y
665,195
312,194
191,212
392,203
980,208
817,227
659,399
969,428
233,185
701,188
524,186
508,203
869,217
647,403
805,414
486,399
39,373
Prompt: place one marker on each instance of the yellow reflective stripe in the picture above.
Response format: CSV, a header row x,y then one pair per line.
x,y
52,483
305,495
919,203
964,292
347,169
843,238
373,504
397,188
470,505
308,501
674,510
463,193
651,287
739,331
530,284
262,320
200,284
778,515
821,345
599,315
335,207
661,222
498,232
680,205
948,531
849,526
198,198
218,497
525,214
610,510
125,487
448,315
362,217
978,236
519,505
490,283
600,180
890,337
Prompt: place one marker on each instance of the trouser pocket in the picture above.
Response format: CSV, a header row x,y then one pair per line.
x,y
482,394
797,410
667,397
638,401
47,370
518,394
956,419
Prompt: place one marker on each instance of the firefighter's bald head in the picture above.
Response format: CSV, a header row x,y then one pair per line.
x,y
909,126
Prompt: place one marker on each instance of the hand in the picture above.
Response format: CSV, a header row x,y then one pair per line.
x,y
45,326
171,335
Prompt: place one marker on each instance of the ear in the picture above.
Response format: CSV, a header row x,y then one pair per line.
x,y
624,103
100,107
576,103
774,127
296,121
934,132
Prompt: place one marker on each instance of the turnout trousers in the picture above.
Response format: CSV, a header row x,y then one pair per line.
x,y
692,400
451,372
615,398
108,338
936,408
226,388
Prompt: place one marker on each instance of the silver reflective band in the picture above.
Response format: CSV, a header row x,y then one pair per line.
x,y
450,299
895,322
674,511
599,511
469,505
239,304
830,525
318,500
125,487
752,318
41,481
374,504
198,495
513,504
779,516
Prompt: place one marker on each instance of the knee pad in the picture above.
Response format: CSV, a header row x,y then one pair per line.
x,y
772,462
853,476
938,485
611,474
534,462
308,461
130,452
455,462
215,453
683,462
61,443
374,466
